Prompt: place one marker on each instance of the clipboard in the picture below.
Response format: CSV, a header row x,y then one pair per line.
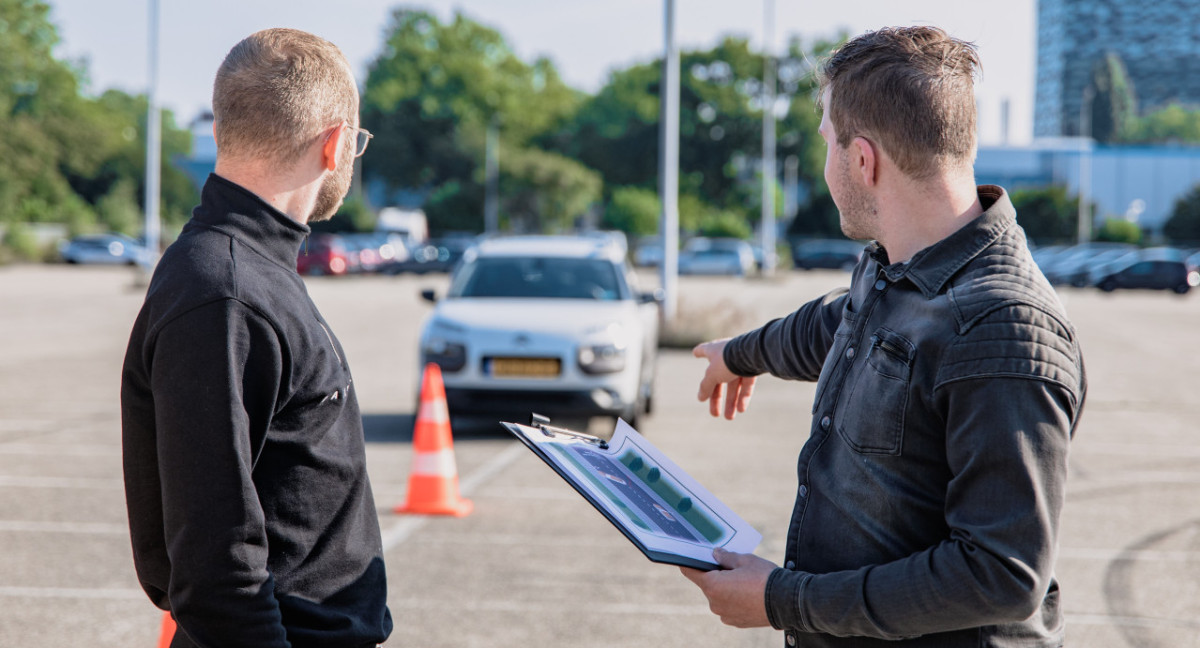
x,y
659,508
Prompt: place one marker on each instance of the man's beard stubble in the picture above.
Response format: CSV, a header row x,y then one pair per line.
x,y
333,190
858,210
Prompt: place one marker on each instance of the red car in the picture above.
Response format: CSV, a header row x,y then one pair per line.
x,y
323,254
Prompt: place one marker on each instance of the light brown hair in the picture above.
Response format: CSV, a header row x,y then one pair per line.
x,y
911,91
278,90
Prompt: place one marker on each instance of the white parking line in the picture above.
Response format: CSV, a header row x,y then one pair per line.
x,y
61,449
603,609
1129,621
402,529
98,528
1141,555
105,593
85,483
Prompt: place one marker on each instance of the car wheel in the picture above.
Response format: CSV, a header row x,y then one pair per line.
x,y
1182,289
1108,285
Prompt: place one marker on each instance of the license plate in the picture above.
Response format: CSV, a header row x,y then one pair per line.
x,y
526,367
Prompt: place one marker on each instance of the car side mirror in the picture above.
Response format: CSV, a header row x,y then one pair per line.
x,y
429,296
657,296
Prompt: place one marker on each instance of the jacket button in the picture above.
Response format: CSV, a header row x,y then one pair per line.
x,y
850,353
880,285
803,490
791,639
791,564
825,421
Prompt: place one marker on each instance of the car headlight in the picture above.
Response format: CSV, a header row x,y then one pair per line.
x,y
450,356
602,358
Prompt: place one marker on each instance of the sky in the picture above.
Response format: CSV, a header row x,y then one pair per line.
x,y
586,39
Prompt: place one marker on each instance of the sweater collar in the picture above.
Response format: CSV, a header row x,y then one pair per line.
x,y
931,268
239,213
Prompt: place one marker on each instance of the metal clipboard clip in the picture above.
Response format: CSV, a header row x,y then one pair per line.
x,y
542,423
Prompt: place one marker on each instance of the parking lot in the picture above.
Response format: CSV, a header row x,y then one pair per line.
x,y
534,565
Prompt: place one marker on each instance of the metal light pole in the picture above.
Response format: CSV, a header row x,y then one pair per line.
x,y
1084,231
153,141
668,163
768,143
491,198
153,144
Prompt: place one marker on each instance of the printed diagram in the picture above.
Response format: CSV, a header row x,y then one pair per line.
x,y
639,491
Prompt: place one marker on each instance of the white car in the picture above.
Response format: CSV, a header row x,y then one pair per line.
x,y
547,324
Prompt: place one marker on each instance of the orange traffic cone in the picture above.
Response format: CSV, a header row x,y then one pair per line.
x,y
433,483
168,631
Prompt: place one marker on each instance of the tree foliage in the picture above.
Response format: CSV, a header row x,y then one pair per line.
x,y
1047,214
633,210
1174,124
616,131
430,97
1184,224
1114,104
70,158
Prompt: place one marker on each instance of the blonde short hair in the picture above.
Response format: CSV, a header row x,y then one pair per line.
x,y
277,90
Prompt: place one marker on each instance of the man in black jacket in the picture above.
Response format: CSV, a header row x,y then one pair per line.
x,y
949,384
251,515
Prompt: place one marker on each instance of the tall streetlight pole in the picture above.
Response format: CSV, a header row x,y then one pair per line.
x,y
668,163
1084,231
153,143
491,197
767,232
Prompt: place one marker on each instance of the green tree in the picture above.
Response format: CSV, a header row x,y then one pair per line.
x,y
1173,124
616,131
64,153
1119,230
545,192
1114,104
118,209
1183,226
431,96
1048,214
633,210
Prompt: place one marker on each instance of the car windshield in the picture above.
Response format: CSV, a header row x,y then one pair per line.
x,y
538,277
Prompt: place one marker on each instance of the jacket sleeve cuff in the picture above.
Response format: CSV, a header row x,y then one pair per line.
x,y
734,352
782,597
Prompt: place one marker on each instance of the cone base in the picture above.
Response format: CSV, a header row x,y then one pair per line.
x,y
461,508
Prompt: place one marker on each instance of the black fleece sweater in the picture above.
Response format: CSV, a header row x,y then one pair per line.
x,y
250,512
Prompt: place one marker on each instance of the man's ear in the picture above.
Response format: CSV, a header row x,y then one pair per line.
x,y
865,158
329,150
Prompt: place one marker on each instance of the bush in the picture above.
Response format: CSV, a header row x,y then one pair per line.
x,y
1184,224
1119,230
1047,214
633,210
19,244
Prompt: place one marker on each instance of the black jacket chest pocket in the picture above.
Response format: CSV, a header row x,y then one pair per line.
x,y
871,419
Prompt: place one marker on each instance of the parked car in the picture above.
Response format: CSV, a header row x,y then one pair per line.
x,y
548,324
1154,268
323,254
836,254
648,252
1074,264
716,256
112,249
438,255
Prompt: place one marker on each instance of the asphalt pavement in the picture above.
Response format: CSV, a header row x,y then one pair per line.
x,y
534,565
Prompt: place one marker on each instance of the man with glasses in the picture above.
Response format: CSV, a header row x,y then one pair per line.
x,y
250,511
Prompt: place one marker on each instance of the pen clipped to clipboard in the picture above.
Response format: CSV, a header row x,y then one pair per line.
x,y
661,509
